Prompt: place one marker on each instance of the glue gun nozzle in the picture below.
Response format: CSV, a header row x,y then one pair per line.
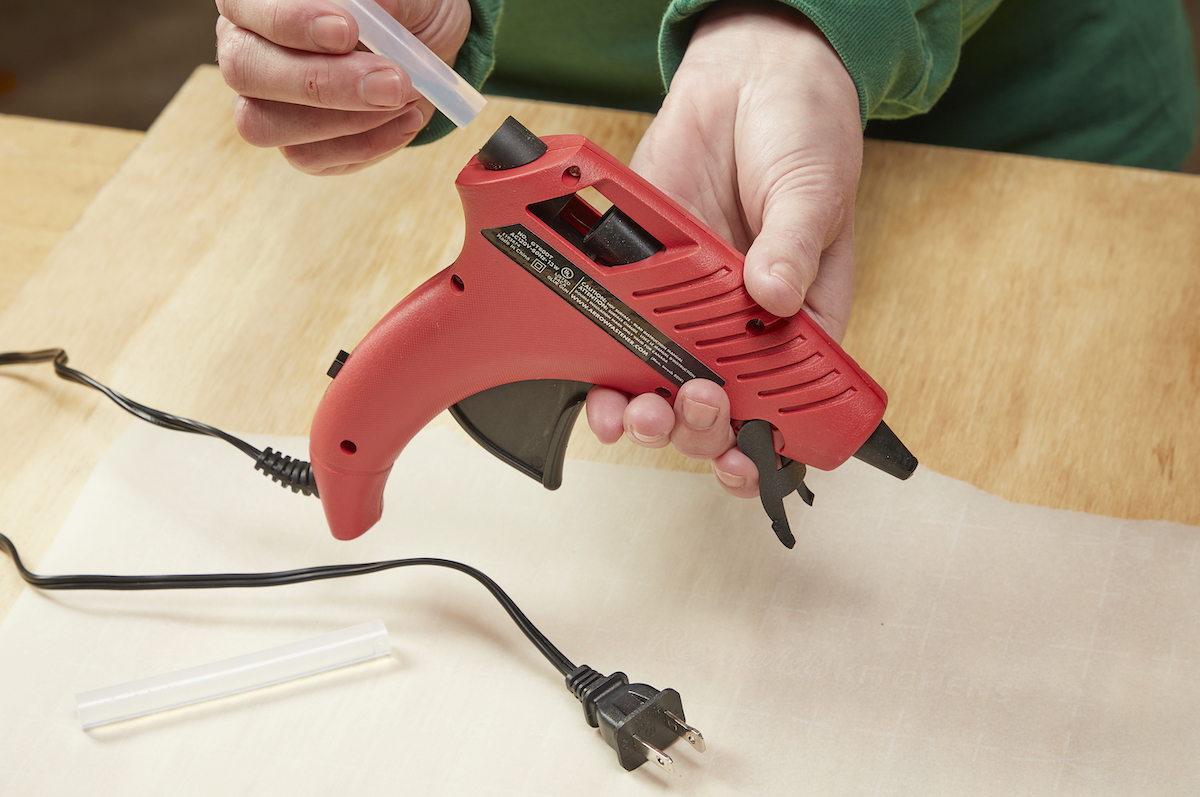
x,y
884,450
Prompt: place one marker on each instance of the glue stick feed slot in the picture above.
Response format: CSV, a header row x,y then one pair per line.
x,y
228,677
430,75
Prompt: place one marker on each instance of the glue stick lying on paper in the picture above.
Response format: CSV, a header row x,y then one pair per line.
x,y
430,75
228,677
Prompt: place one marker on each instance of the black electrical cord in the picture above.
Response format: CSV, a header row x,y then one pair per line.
x,y
289,472
242,580
636,720
282,577
148,414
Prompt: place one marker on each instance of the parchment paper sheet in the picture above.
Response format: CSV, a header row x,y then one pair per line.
x,y
923,638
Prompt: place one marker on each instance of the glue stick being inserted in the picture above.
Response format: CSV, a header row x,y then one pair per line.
x,y
430,75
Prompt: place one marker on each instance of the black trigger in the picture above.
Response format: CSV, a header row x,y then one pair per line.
x,y
774,483
526,424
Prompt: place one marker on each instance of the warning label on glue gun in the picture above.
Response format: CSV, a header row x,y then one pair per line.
x,y
597,303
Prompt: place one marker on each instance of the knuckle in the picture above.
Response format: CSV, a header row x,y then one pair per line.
x,y
809,251
244,13
701,445
277,19
303,158
250,119
800,249
840,207
705,391
316,84
232,55
810,202
383,140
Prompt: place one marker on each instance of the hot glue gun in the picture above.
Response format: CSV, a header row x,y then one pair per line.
x,y
550,297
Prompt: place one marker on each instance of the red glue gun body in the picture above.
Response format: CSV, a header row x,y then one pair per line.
x,y
550,297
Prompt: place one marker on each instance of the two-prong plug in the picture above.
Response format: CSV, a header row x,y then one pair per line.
x,y
638,721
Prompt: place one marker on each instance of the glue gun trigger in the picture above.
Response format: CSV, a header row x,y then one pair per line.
x,y
774,483
525,424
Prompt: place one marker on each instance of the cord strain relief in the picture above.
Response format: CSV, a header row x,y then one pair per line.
x,y
294,473
588,685
582,680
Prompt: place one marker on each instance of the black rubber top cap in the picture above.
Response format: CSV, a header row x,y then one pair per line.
x,y
510,146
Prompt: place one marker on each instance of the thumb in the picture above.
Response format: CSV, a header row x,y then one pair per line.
x,y
800,223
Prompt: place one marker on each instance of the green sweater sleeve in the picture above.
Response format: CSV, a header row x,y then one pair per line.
x,y
475,61
901,54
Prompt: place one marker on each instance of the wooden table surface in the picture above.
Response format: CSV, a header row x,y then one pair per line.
x,y
1034,322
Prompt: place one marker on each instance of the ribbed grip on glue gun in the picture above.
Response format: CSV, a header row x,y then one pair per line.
x,y
641,298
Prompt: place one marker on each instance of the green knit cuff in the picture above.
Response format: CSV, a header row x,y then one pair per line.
x,y
475,61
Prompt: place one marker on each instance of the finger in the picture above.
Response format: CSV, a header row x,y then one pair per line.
x,y
350,153
264,123
357,81
736,473
349,168
702,428
314,25
649,420
606,413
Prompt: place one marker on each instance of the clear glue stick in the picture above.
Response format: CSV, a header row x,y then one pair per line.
x,y
231,676
430,75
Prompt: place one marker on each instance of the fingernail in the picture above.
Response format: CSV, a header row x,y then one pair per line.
x,y
698,415
786,275
647,440
382,88
728,479
330,33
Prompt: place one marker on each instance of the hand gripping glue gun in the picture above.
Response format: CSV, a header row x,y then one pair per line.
x,y
550,297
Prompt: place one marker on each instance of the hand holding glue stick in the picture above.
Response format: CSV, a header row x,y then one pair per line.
x,y
332,109
430,75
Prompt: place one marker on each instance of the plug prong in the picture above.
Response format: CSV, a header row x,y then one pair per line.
x,y
652,753
686,732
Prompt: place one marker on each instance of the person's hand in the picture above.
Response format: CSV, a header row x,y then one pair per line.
x,y
303,87
760,137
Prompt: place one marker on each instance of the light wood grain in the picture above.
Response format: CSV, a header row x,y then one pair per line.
x,y
49,172
1037,324
1033,321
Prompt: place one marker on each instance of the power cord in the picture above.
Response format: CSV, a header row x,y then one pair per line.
x,y
289,472
636,720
